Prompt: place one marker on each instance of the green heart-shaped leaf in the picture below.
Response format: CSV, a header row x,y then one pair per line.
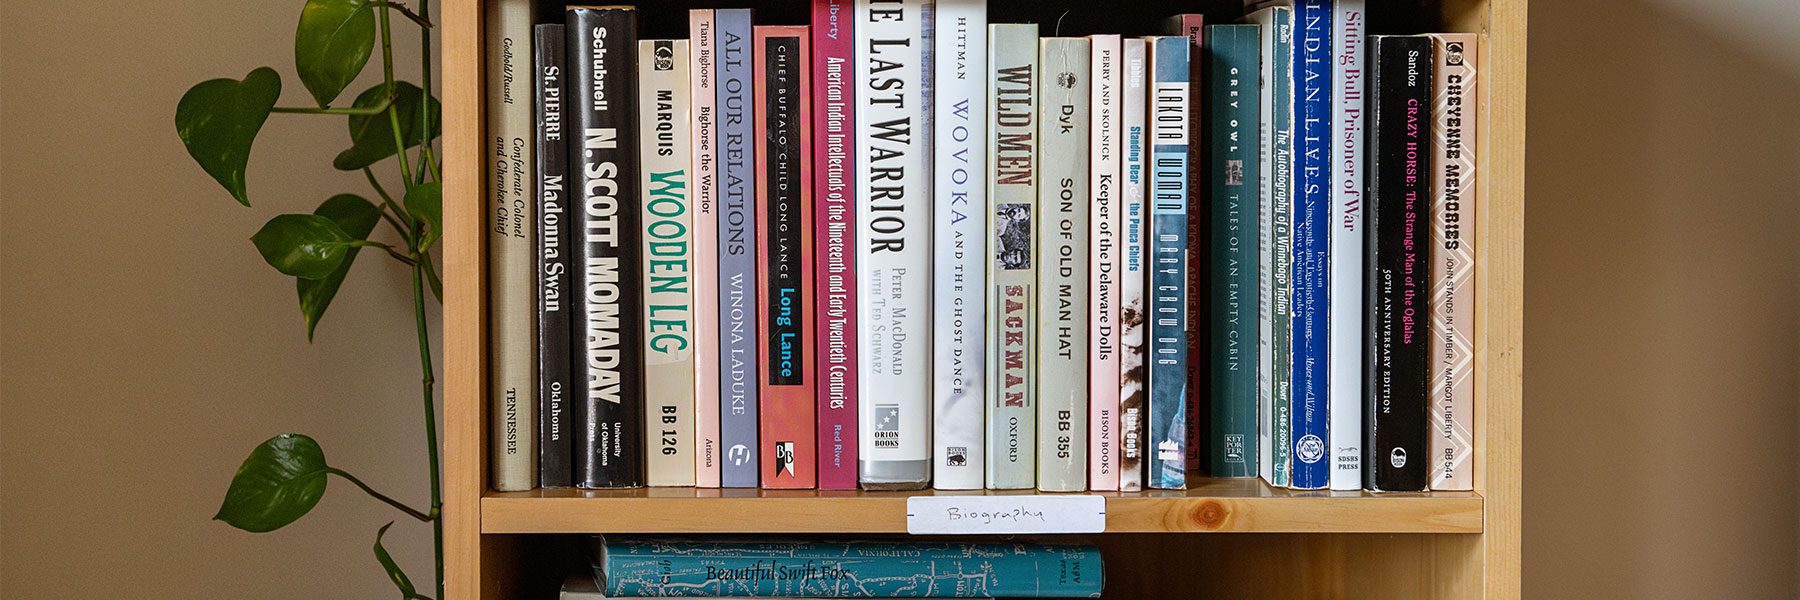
x,y
372,136
218,120
407,591
305,246
426,202
280,482
332,44
357,217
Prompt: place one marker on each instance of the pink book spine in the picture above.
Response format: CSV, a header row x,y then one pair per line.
x,y
784,276
834,258
706,253
1103,270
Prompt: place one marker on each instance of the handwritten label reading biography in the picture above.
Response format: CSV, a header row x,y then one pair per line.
x,y
968,515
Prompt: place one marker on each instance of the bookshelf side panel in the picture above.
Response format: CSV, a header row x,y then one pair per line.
x,y
464,276
1500,282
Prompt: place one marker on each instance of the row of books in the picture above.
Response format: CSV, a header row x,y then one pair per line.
x,y
904,247
674,567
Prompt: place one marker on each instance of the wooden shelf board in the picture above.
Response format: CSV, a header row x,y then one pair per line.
x,y
1215,505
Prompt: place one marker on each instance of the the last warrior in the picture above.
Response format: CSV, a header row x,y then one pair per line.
x,y
889,141
600,213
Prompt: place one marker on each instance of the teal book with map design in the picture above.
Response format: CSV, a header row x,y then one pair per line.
x,y
823,569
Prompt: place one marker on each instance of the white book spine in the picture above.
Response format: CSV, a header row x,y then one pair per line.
x,y
1012,147
1062,270
1103,270
512,267
1349,47
701,30
667,261
893,180
1265,364
1453,226
959,277
1134,268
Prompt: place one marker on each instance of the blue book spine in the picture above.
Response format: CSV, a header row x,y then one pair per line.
x,y
668,568
1168,274
1312,244
737,252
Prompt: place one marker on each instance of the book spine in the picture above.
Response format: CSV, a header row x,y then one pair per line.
x,y
1012,149
1062,274
1272,218
1199,248
1103,268
1349,52
1398,257
511,246
1170,95
609,363
784,232
737,251
834,234
1312,245
1233,60
668,261
1452,345
1134,265
655,568
554,450
702,49
894,260
959,276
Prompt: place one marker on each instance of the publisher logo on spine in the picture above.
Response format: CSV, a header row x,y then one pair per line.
x,y
1397,457
784,458
887,426
664,59
1309,449
738,454
956,456
1454,50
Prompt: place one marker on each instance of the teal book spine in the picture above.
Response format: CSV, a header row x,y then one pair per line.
x,y
787,569
1169,97
1232,66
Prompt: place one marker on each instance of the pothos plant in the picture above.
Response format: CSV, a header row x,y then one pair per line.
x,y
218,121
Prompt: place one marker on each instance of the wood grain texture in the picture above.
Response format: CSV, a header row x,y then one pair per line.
x,y
1501,222
465,413
1222,506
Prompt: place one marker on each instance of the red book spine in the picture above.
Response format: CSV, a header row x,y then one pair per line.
x,y
834,258
784,281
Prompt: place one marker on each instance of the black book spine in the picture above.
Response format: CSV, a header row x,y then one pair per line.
x,y
1398,276
608,366
555,467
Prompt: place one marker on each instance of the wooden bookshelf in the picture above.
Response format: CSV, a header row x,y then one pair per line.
x,y
1225,538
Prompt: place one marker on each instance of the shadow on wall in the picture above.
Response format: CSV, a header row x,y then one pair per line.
x,y
1662,364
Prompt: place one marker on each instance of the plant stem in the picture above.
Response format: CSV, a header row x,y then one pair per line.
x,y
354,111
405,230
427,380
423,22
387,76
379,496
427,159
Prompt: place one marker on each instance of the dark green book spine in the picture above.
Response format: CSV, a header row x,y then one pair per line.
x,y
1233,62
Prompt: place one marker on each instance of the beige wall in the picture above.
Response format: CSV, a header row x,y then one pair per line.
x,y
147,348
1662,337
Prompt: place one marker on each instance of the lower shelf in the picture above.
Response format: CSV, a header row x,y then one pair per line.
x,y
1215,505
